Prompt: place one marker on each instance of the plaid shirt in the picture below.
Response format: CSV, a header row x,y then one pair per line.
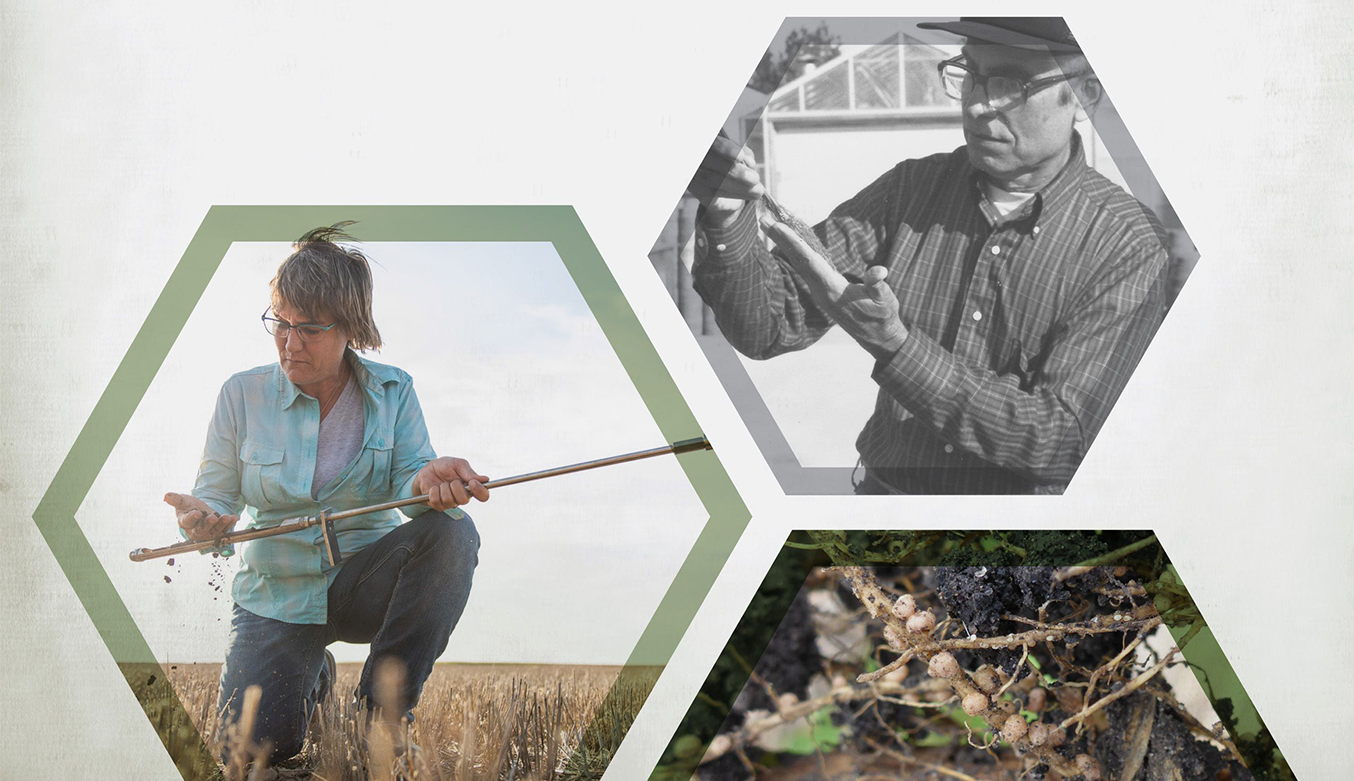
x,y
1023,330
260,455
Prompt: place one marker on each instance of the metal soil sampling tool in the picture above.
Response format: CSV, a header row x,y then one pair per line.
x,y
325,520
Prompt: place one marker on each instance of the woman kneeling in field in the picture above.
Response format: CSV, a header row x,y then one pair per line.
x,y
326,428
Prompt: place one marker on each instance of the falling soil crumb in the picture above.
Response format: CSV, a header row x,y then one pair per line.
x,y
170,562
168,580
217,578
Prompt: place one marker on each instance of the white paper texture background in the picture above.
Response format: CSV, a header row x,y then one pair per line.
x,y
121,124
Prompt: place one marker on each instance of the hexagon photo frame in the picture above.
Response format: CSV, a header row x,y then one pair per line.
x,y
558,227
1019,356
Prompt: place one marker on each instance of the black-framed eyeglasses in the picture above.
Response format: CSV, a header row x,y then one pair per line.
x,y
1004,93
281,328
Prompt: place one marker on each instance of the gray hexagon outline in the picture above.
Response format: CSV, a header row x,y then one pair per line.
x,y
794,478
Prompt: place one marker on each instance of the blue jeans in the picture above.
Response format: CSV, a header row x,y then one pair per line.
x,y
403,594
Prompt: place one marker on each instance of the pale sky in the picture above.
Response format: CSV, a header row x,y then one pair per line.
x,y
513,373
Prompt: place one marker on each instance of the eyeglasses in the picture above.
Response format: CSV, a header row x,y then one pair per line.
x,y
281,328
1004,93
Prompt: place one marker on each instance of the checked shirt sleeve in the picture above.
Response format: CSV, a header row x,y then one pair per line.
x,y
1040,425
763,307
218,475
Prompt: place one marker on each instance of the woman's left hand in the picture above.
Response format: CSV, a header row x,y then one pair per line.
x,y
450,482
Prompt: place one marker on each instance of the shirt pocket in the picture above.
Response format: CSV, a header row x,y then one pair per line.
x,y
1020,324
377,456
261,477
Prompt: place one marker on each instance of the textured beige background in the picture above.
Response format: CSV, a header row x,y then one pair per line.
x,y
119,126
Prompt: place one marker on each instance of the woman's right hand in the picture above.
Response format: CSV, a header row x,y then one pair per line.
x,y
198,520
450,482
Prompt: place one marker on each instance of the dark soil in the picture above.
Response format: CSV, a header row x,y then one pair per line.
x,y
789,661
1137,731
1171,751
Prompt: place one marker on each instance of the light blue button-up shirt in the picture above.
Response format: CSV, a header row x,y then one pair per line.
x,y
260,456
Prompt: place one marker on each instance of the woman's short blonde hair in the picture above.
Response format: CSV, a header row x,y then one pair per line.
x,y
322,277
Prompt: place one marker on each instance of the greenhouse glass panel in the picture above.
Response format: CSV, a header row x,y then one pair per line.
x,y
877,84
827,90
923,86
787,102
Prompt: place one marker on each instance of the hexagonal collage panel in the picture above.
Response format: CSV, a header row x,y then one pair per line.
x,y
1010,319
962,654
543,366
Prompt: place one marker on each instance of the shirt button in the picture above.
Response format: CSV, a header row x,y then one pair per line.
x,y
977,315
721,247
996,250
700,241
1035,230
949,448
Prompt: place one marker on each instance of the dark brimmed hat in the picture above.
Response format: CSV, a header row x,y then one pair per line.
x,y
1050,32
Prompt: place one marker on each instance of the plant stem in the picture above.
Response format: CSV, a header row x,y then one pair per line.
x,y
1115,555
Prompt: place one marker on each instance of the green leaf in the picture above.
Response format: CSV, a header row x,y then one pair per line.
x,y
822,734
976,723
932,739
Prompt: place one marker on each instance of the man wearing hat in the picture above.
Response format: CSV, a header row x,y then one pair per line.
x,y
1006,290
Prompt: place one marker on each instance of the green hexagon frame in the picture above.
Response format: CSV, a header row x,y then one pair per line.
x,y
559,225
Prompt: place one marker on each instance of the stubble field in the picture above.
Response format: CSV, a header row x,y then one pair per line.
x,y
473,723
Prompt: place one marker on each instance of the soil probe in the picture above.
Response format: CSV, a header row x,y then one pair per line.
x,y
325,520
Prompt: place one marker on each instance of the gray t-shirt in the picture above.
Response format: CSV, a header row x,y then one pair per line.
x,y
340,438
